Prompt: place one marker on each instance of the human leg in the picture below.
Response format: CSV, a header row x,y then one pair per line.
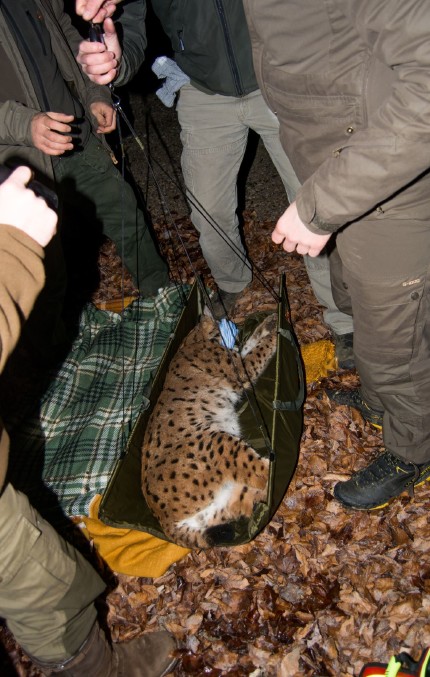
x,y
257,115
260,118
318,269
339,314
214,142
390,296
47,593
93,189
47,588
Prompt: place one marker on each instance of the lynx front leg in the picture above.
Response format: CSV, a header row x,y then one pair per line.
x,y
260,347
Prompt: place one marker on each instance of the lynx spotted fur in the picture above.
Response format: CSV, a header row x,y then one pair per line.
x,y
198,475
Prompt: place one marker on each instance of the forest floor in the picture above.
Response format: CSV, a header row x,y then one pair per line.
x,y
322,589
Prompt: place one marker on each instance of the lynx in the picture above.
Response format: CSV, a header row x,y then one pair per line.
x,y
198,474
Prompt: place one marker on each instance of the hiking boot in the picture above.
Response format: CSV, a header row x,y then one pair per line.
x,y
223,302
354,399
402,665
343,345
150,655
382,480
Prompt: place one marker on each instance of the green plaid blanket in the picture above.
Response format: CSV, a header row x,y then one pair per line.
x,y
72,441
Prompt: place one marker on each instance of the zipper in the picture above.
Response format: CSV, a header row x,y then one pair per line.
x,y
181,42
230,52
36,30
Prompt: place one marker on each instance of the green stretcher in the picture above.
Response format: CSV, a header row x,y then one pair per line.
x,y
275,431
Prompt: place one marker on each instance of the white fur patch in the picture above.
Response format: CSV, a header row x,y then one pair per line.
x,y
226,418
204,517
251,343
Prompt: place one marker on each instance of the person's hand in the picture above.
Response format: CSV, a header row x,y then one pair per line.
x,y
100,60
291,232
50,132
21,208
105,115
95,10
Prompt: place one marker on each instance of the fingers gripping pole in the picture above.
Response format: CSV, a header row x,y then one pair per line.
x,y
95,34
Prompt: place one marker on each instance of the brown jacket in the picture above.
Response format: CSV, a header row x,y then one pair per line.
x,y
21,279
350,83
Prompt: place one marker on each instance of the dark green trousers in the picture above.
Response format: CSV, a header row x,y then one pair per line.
x,y
95,197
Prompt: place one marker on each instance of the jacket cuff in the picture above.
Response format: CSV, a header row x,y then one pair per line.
x,y
307,211
23,120
121,75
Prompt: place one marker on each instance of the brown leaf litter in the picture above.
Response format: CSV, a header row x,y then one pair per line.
x,y
322,589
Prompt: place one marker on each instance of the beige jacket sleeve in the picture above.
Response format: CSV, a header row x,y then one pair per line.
x,y
21,279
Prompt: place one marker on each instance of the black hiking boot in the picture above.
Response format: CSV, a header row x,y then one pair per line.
x,y
382,480
223,302
343,345
354,399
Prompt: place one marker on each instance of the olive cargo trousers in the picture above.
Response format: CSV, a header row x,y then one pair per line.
x,y
47,588
89,183
386,273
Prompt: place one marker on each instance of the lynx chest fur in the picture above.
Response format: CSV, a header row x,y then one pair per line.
x,y
198,474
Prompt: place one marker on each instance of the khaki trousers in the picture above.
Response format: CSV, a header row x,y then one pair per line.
x,y
385,270
47,588
214,134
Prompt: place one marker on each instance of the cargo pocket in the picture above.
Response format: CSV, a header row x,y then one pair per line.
x,y
390,311
35,566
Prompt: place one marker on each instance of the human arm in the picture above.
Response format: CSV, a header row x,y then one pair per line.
x,y
27,225
15,123
105,116
292,233
110,61
86,91
22,125
377,166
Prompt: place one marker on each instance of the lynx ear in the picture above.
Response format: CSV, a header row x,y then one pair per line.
x,y
208,325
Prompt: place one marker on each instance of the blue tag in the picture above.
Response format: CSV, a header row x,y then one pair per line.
x,y
228,331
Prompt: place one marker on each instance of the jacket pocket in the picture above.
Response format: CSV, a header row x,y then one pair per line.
x,y
174,24
313,126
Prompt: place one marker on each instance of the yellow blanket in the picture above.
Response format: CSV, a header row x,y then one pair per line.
x,y
129,551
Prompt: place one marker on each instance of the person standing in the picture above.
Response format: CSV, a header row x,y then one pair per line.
x,y
54,118
216,110
47,588
350,81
